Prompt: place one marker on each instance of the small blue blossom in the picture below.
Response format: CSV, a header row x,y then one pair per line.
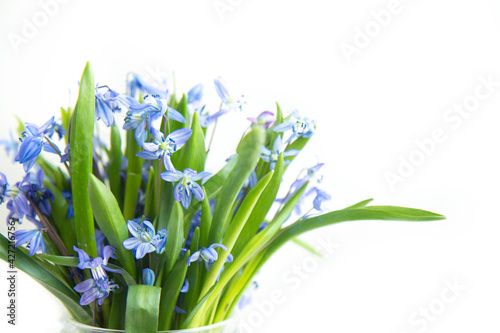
x,y
148,277
272,156
18,202
10,145
194,98
208,255
136,84
141,115
144,239
32,237
107,102
246,298
265,119
32,143
69,199
186,186
95,289
34,190
320,197
300,126
228,102
206,119
163,148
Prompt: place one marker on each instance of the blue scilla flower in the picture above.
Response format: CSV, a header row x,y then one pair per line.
x,y
95,289
229,103
99,286
208,255
206,119
34,191
321,196
264,119
164,147
310,173
144,239
186,186
272,156
107,102
136,84
141,115
32,143
300,126
10,145
194,97
32,237
17,201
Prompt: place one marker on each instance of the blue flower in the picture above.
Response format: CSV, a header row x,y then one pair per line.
x,y
142,114
148,277
194,97
228,102
32,237
320,197
95,289
265,119
186,187
10,145
107,102
99,286
32,143
300,126
144,239
18,202
162,147
137,84
69,200
208,255
206,119
272,156
34,190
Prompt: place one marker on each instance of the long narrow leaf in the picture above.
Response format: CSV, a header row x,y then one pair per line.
x,y
143,304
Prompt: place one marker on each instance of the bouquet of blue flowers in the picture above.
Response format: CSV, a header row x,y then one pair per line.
x,y
145,239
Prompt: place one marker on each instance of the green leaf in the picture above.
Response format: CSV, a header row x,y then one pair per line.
x,y
193,154
235,227
115,164
261,209
248,155
143,303
171,288
118,308
360,204
59,217
81,147
206,220
66,119
193,317
150,202
182,107
175,237
134,177
306,246
193,276
110,220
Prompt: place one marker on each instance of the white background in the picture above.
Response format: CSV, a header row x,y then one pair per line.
x,y
370,111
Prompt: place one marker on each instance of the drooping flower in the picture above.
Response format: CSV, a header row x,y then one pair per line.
x,y
208,255
265,119
99,286
32,143
229,103
186,186
320,197
10,145
194,98
32,237
107,102
36,192
164,147
142,114
144,239
272,156
300,126
206,119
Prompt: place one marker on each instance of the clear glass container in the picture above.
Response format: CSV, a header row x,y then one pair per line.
x,y
227,326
